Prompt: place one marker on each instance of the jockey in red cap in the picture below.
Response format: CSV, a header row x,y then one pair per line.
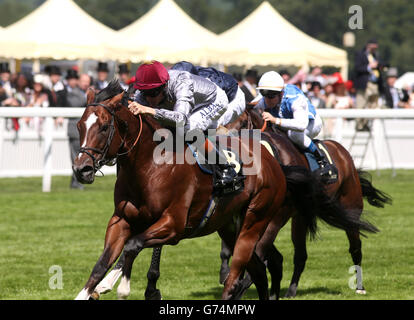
x,y
183,100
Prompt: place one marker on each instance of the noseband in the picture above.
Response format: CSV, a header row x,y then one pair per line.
x,y
98,163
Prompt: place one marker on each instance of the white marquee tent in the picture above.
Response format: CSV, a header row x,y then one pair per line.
x,y
266,38
166,33
58,29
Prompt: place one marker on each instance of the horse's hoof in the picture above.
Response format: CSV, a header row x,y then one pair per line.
x,y
154,295
291,293
94,296
223,275
273,297
361,291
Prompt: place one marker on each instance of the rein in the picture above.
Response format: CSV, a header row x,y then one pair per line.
x,y
97,164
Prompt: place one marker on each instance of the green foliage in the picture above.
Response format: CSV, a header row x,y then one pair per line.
x,y
390,21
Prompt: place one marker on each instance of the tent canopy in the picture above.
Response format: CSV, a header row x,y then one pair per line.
x,y
57,29
266,38
166,33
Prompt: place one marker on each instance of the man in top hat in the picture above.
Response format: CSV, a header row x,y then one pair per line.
x,y
124,76
5,82
57,87
76,98
395,97
367,80
102,80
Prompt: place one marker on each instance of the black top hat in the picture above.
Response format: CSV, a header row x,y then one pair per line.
x,y
4,67
284,71
123,68
102,66
53,70
72,74
251,73
373,41
238,76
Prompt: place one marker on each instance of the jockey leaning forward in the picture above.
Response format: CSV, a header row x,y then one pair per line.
x,y
183,100
225,81
287,107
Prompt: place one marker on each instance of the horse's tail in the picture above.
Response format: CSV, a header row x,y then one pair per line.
x,y
375,197
311,200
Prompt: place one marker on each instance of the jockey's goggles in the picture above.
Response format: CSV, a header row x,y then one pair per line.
x,y
152,92
269,93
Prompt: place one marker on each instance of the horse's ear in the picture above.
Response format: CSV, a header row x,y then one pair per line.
x,y
90,95
119,97
127,95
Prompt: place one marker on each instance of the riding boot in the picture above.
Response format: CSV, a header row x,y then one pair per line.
x,y
326,170
224,174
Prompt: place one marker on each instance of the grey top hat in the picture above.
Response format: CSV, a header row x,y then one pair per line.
x,y
392,72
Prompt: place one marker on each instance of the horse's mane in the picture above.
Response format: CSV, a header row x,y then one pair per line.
x,y
111,90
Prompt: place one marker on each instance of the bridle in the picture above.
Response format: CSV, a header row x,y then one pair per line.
x,y
99,163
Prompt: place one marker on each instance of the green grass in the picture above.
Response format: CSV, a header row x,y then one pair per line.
x,y
67,227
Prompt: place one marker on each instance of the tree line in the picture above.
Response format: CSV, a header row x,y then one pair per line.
x,y
391,22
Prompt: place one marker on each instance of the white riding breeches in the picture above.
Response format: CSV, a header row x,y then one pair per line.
x,y
304,138
207,116
235,108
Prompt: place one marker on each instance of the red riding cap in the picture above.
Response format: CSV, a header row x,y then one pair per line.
x,y
150,75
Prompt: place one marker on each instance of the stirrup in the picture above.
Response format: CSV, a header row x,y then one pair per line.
x,y
328,172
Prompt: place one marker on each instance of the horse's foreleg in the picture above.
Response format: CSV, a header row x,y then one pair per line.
x,y
152,293
275,265
158,234
107,284
117,232
298,234
268,252
225,255
243,253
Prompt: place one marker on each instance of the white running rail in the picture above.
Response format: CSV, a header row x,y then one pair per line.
x,y
44,150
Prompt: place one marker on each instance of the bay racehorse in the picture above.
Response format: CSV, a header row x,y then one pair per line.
x,y
315,203
162,203
350,189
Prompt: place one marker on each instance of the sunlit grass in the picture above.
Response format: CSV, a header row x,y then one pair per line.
x,y
67,227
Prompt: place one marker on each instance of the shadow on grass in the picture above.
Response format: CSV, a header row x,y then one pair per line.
x,y
251,293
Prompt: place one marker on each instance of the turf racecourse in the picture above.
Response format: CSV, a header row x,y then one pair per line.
x,y
66,228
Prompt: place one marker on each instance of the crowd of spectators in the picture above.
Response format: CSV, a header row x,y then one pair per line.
x,y
53,88
371,87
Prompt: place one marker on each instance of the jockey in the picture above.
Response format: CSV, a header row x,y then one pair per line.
x,y
225,81
181,99
287,107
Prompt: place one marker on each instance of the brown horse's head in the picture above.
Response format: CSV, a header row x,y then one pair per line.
x,y
100,132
